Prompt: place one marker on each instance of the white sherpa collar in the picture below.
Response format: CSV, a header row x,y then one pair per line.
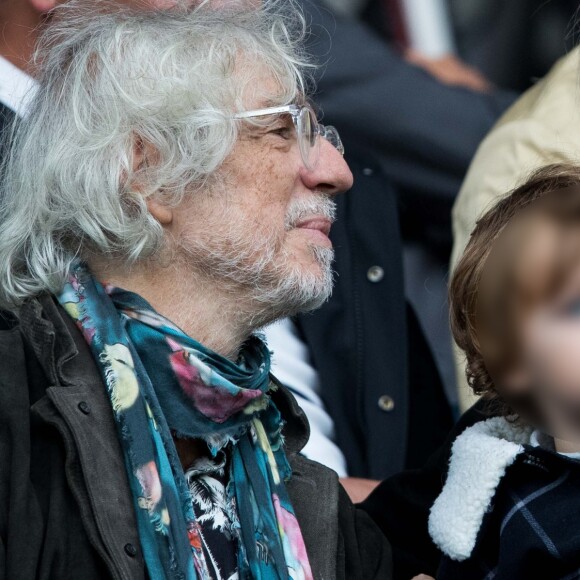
x,y
479,459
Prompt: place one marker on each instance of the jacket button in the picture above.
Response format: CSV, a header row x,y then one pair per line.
x,y
84,408
130,550
386,403
367,171
375,274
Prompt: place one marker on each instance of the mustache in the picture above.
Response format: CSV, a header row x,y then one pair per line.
x,y
321,205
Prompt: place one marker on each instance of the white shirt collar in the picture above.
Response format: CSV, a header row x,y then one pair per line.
x,y
16,87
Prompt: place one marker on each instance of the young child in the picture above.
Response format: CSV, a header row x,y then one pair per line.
x,y
510,507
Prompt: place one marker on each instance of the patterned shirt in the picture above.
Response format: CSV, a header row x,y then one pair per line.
x,y
216,515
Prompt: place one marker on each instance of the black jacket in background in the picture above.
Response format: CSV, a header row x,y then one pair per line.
x,y
409,140
7,117
366,343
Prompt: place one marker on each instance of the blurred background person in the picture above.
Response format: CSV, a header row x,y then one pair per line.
x,y
421,33
513,42
21,23
509,43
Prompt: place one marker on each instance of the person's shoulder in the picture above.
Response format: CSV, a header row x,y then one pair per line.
x,y
552,99
10,339
8,321
14,379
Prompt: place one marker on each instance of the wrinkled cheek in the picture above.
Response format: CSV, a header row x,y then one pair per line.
x,y
266,232
252,243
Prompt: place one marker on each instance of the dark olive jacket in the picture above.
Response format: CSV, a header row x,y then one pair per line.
x,y
65,505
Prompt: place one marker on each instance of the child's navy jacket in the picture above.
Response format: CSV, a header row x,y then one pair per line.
x,y
508,510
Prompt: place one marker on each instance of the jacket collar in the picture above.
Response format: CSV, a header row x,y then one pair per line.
x,y
56,342
297,428
479,459
66,360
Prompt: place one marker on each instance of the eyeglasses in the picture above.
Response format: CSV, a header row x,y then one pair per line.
x,y
307,127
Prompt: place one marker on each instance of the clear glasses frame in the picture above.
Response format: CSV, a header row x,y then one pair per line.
x,y
308,130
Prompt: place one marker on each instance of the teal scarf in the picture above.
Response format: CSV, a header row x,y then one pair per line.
x,y
162,383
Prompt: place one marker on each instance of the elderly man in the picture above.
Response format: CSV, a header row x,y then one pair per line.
x,y
180,198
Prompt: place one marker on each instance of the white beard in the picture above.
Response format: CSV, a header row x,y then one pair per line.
x,y
260,270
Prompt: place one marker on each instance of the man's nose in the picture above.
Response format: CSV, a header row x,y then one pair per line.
x,y
331,174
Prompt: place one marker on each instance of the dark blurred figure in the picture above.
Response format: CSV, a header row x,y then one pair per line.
x,y
513,42
426,146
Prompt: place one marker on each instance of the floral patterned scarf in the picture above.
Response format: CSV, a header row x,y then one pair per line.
x,y
163,383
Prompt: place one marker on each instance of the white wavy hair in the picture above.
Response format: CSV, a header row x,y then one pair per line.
x,y
111,76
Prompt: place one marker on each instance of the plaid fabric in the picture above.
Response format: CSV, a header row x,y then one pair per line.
x,y
532,529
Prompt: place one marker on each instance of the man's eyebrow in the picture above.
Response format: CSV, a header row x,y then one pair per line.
x,y
299,100
274,102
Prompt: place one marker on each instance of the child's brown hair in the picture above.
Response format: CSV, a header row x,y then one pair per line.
x,y
554,191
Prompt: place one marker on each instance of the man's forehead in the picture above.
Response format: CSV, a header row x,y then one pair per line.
x,y
281,99
262,90
150,4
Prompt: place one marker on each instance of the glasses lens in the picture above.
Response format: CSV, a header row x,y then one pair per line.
x,y
308,138
332,136
304,131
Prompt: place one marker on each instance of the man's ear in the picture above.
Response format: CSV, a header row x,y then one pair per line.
x,y
161,212
43,6
145,155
